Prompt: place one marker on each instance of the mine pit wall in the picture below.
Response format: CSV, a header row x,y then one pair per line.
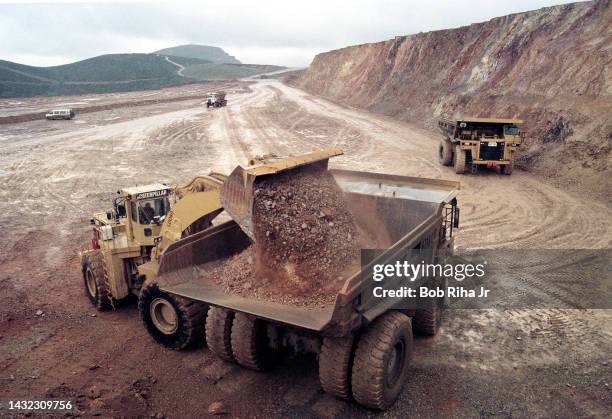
x,y
551,67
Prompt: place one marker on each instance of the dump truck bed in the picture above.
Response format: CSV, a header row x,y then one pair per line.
x,y
397,210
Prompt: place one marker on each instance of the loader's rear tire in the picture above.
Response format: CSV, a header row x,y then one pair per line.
x,y
459,158
219,332
335,363
173,321
381,361
96,285
445,153
250,343
507,169
427,321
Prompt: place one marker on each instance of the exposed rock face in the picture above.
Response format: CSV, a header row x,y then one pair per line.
x,y
550,67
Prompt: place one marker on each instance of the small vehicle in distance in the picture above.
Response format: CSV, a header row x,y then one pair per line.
x,y
60,114
216,100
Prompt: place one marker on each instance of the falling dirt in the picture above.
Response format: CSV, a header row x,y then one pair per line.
x,y
304,231
306,242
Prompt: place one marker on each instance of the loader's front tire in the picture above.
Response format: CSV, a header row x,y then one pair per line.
x,y
173,321
335,363
250,343
459,158
96,286
445,153
219,332
381,360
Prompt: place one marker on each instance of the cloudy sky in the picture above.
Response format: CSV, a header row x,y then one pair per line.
x,y
268,32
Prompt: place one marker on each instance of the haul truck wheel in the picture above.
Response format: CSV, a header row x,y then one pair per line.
x,y
335,362
445,153
250,342
381,360
218,332
95,280
459,160
173,321
507,169
426,321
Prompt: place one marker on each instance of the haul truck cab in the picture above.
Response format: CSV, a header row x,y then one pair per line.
x,y
473,142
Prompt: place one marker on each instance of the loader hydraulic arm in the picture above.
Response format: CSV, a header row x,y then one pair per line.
x,y
199,203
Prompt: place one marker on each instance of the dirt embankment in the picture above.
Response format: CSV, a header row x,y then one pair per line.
x,y
550,67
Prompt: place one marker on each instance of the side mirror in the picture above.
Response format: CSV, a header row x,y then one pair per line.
x,y
121,210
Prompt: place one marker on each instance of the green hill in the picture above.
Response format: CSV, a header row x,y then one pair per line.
x,y
102,74
117,73
202,52
209,71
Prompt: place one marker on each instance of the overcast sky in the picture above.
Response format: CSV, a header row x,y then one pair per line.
x,y
267,32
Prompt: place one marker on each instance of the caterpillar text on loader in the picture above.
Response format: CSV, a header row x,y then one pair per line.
x,y
473,142
128,238
364,344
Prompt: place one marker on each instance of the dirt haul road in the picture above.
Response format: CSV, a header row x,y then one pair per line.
x,y
54,344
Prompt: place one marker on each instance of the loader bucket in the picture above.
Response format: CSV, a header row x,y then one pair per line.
x,y
237,193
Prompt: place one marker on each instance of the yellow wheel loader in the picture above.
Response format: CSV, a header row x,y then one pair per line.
x,y
144,220
472,142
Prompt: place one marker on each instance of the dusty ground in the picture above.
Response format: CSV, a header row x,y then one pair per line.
x,y
20,106
52,181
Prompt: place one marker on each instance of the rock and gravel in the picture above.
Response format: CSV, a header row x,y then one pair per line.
x,y
306,242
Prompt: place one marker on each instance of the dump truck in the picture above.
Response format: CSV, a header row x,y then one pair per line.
x,y
216,100
60,114
363,344
472,142
126,239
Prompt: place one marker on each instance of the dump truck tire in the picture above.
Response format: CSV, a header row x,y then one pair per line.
x,y
445,153
381,361
219,332
250,342
335,363
426,321
94,279
459,160
173,321
507,169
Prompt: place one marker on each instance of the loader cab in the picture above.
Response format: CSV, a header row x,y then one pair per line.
x,y
144,210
